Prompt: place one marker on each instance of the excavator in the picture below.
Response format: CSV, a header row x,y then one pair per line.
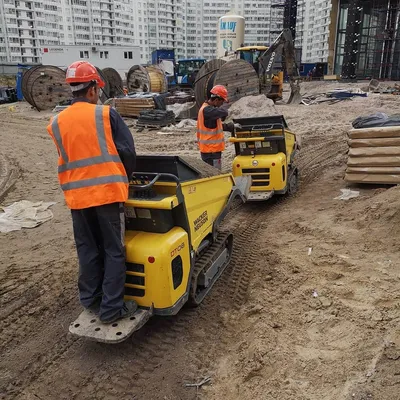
x,y
284,47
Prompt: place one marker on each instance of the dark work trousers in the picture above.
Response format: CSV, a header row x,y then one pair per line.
x,y
99,236
214,159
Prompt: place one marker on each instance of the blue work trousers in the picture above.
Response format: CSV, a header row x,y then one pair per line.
x,y
213,159
99,236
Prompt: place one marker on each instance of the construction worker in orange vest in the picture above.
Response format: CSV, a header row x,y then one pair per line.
x,y
96,157
210,128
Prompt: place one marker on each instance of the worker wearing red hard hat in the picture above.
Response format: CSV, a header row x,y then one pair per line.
x,y
210,128
96,158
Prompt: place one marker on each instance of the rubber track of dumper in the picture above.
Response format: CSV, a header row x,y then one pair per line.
x,y
205,262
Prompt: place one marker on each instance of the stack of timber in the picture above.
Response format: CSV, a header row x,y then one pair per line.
x,y
131,107
374,155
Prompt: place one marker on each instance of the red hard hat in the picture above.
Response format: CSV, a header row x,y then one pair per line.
x,y
83,72
220,91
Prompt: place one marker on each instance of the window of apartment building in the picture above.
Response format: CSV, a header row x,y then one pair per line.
x,y
84,54
128,55
104,54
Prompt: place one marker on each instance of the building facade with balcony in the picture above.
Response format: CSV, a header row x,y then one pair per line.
x,y
26,26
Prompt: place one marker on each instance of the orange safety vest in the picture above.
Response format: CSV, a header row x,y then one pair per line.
x,y
209,140
90,170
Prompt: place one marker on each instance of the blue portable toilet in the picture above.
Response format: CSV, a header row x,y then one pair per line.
x,y
20,73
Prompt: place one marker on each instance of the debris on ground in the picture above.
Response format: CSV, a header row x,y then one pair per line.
x,y
184,126
180,108
347,194
24,214
332,96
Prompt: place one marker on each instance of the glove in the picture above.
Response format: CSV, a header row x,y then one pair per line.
x,y
237,126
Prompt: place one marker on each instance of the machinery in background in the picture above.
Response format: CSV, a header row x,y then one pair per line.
x,y
273,64
187,70
265,151
181,73
174,250
251,54
8,95
283,46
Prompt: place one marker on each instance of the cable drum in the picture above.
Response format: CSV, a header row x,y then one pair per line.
x,y
146,79
158,79
106,89
24,84
238,76
205,79
115,81
44,87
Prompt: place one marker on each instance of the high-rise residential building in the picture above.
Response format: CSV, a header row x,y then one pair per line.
x,y
26,26
188,26
314,29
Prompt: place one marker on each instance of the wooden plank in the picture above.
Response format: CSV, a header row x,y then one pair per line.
x,y
372,178
331,77
374,170
381,142
391,161
375,151
377,132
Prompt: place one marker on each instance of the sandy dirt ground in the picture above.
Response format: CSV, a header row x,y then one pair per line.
x,y
309,307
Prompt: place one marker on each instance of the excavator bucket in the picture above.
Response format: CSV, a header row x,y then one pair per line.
x,y
295,95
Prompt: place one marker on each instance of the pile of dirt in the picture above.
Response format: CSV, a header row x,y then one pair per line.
x,y
382,211
252,106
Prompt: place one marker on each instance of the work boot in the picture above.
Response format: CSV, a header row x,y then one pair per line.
x,y
95,306
128,309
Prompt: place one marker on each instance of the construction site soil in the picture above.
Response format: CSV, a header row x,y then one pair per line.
x,y
309,307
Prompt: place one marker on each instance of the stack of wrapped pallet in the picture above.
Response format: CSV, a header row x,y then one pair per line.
x,y
374,155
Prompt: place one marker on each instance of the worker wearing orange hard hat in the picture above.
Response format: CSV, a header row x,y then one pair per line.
x,y
210,128
96,158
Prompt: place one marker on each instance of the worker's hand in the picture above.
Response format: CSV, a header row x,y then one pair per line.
x,y
237,126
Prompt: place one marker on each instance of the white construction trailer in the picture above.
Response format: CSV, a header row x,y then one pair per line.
x,y
121,58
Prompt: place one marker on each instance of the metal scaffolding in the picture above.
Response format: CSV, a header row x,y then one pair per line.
x,y
368,39
283,15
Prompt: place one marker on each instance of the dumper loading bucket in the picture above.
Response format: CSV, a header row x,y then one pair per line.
x,y
183,167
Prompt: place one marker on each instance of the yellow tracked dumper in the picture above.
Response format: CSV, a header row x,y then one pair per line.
x,y
265,151
174,251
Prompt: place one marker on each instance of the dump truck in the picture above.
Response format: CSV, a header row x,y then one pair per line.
x,y
174,249
265,151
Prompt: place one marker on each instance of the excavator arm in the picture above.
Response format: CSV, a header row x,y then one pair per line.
x,y
284,45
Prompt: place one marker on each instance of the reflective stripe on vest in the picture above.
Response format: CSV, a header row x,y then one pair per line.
x,y
86,162
211,141
94,181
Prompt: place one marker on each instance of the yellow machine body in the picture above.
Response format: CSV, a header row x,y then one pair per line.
x,y
174,251
159,260
265,154
158,267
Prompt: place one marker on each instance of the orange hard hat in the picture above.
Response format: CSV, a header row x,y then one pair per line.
x,y
220,91
82,72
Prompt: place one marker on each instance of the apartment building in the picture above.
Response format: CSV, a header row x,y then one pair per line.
x,y
26,25
188,26
313,22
